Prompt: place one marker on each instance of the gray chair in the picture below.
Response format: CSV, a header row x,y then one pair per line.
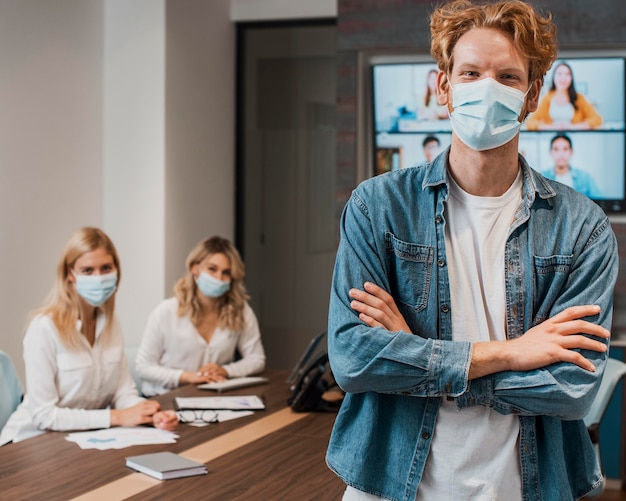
x,y
613,374
11,392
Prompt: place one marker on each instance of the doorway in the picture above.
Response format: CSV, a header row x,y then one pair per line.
x,y
286,140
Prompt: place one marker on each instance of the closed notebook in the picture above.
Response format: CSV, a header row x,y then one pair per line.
x,y
165,465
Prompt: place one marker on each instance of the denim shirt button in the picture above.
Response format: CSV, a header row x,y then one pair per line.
x,y
438,219
441,263
425,435
445,308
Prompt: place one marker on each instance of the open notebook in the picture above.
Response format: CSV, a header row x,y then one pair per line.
x,y
231,384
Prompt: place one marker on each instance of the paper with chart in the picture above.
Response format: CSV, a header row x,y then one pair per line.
x,y
233,403
121,437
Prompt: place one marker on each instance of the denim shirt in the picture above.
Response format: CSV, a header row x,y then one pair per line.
x,y
560,252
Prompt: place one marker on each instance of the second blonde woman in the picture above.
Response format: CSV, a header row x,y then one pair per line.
x,y
207,331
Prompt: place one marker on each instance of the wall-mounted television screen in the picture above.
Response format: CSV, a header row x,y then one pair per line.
x,y
580,141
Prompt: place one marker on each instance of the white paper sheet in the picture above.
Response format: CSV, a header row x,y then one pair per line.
x,y
234,403
121,437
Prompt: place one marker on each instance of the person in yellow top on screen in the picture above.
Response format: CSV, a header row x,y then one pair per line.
x,y
77,377
561,151
562,108
195,336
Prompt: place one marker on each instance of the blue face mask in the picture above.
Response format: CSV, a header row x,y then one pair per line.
x,y
96,289
486,113
211,286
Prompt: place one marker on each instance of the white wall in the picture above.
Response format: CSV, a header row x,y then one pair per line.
x,y
134,154
200,128
50,146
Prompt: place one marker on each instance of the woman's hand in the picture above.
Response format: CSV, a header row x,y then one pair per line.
x,y
205,374
165,420
214,372
140,413
377,308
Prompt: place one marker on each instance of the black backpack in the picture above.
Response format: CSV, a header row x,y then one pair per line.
x,y
310,381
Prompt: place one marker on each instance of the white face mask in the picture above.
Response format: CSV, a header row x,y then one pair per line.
x,y
211,286
486,113
96,289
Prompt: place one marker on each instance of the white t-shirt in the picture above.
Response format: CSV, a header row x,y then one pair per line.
x,y
474,453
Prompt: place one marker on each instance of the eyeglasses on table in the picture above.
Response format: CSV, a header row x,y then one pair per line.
x,y
191,416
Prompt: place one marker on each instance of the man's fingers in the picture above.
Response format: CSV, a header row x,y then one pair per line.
x,y
575,312
369,321
368,300
583,343
370,311
570,327
576,358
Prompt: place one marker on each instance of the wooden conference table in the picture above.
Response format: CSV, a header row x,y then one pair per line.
x,y
271,455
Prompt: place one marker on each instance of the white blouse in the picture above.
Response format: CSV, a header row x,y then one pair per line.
x,y
172,345
70,388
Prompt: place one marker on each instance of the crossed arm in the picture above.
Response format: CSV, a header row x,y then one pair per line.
x,y
552,341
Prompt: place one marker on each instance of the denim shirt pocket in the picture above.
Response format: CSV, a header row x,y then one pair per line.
x,y
551,273
410,271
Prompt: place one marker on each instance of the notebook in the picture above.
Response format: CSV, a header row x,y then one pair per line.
x,y
231,384
165,465
234,403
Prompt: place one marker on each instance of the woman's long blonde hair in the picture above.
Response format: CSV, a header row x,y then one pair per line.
x,y
230,305
63,302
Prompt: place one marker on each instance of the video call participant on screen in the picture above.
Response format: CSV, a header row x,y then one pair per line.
x,y
195,336
562,108
561,151
472,298
430,108
432,147
77,377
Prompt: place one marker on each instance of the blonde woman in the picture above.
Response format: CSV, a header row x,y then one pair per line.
x,y
194,337
76,372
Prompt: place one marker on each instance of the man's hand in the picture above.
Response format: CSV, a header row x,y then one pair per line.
x,y
550,342
377,308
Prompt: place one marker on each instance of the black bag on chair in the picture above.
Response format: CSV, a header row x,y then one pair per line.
x,y
310,382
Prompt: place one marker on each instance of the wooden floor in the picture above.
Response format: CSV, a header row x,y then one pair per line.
x,y
611,495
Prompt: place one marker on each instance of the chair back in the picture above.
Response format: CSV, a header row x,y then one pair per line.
x,y
613,373
11,392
